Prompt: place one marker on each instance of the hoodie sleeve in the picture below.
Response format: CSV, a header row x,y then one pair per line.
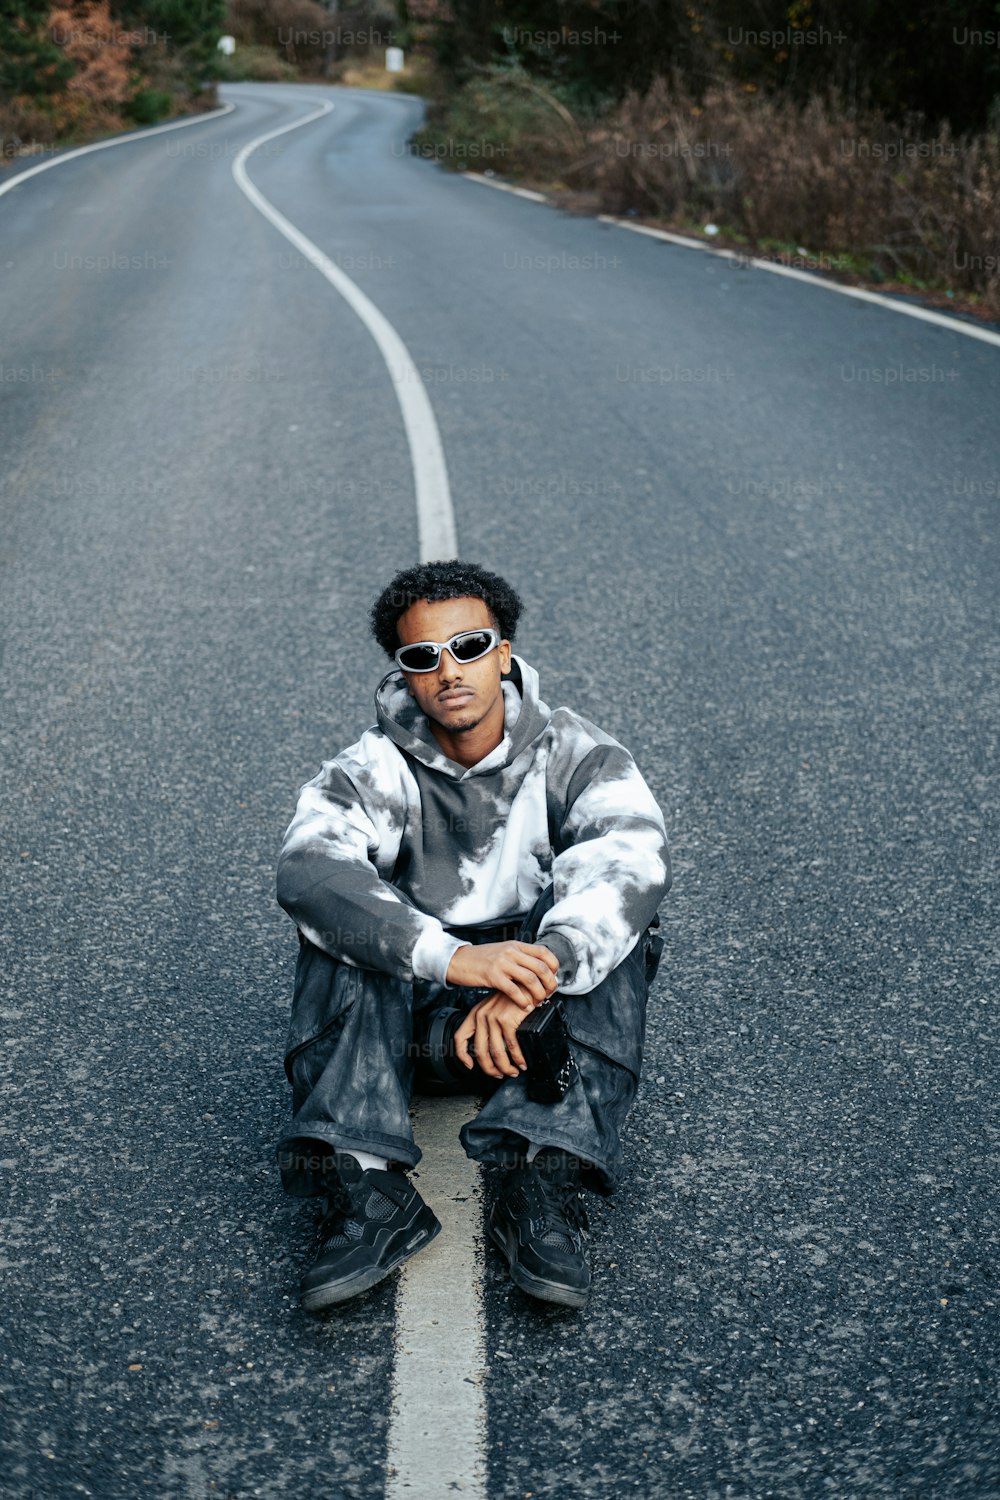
x,y
610,871
329,879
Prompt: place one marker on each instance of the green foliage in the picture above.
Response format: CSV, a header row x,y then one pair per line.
x,y
29,62
933,56
505,120
149,105
189,30
257,65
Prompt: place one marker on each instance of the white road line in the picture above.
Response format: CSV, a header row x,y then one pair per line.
x,y
437,1436
118,140
437,1430
506,187
435,517
924,314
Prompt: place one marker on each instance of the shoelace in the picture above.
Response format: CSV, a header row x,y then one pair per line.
x,y
564,1201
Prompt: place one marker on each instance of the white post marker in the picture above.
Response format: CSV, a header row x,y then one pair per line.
x,y
394,59
226,45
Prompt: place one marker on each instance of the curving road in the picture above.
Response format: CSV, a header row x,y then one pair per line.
x,y
756,527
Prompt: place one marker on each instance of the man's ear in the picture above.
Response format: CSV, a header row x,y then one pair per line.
x,y
504,649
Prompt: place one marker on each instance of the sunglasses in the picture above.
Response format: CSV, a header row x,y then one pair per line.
x,y
468,645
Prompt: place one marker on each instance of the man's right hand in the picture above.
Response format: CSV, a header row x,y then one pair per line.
x,y
524,972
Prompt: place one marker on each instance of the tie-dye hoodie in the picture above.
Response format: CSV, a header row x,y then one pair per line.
x,y
392,842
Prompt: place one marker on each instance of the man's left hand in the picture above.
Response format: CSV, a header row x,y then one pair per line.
x,y
492,1023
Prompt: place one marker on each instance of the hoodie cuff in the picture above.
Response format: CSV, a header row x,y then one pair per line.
x,y
560,945
433,952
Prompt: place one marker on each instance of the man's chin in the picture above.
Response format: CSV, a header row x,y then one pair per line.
x,y
458,721
460,725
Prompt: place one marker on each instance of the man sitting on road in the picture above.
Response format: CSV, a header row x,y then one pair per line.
x,y
480,849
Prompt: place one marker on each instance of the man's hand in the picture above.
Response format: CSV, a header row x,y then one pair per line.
x,y
524,972
493,1023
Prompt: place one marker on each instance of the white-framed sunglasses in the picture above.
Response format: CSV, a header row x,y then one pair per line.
x,y
468,645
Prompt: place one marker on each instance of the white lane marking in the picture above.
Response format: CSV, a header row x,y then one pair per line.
x,y
122,140
437,1428
437,1436
435,517
506,187
924,314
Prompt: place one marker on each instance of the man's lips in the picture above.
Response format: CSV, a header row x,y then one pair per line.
x,y
456,695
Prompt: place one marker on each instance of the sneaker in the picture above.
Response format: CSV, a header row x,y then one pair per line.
x,y
538,1222
376,1220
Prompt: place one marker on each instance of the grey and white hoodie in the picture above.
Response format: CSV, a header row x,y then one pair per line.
x,y
392,842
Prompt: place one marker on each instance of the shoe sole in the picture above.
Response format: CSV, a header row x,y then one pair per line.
x,y
535,1286
426,1228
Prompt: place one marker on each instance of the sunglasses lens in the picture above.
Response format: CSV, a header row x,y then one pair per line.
x,y
419,658
473,644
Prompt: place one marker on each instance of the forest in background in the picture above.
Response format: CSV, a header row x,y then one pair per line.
x,y
857,137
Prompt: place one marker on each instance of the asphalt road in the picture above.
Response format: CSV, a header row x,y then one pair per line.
x,y
756,528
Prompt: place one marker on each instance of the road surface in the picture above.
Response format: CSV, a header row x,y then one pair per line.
x,y
756,529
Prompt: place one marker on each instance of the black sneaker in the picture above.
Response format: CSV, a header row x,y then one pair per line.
x,y
538,1222
376,1220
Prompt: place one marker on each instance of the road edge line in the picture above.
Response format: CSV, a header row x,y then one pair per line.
x,y
435,515
923,314
507,187
118,140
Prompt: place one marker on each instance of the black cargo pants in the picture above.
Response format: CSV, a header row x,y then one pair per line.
x,y
352,1064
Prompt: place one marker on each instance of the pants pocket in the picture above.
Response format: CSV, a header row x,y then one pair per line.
x,y
324,991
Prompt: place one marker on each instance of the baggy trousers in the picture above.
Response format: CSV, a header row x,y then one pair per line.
x,y
350,1059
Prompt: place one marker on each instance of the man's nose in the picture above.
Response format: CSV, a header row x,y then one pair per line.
x,y
448,667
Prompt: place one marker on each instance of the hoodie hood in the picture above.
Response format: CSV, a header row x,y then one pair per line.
x,y
403,722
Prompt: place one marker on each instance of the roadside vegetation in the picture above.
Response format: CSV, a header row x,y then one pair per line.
x,y
861,139
77,70
823,186
74,70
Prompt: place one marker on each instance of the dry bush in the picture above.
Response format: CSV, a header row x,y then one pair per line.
x,y
854,188
257,65
284,25
103,80
25,127
506,120
92,99
306,34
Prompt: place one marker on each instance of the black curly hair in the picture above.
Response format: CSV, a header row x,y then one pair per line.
x,y
434,581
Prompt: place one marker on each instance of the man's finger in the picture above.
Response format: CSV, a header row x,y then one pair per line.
x,y
545,968
498,1048
539,951
463,1035
529,984
483,1057
511,989
537,985
513,1048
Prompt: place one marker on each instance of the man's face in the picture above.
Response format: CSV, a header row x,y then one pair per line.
x,y
456,695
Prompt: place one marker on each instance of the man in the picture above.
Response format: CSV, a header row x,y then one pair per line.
x,y
480,850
